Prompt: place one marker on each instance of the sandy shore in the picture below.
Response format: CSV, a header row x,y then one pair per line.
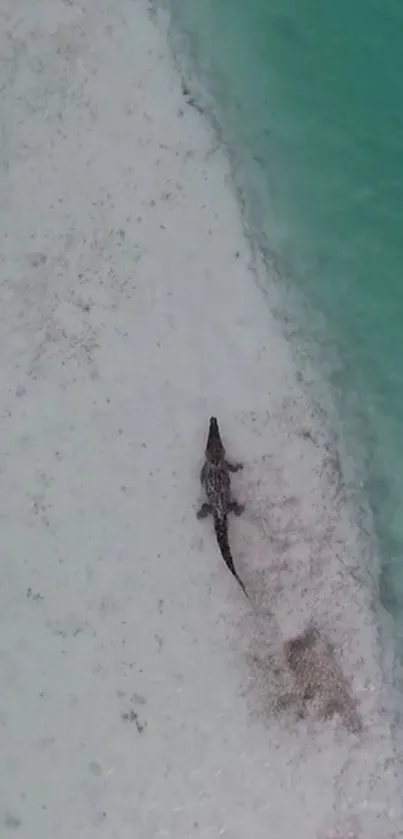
x,y
141,696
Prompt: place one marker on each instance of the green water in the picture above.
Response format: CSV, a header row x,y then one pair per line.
x,y
311,95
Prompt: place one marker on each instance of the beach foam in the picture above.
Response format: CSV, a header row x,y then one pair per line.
x,y
141,695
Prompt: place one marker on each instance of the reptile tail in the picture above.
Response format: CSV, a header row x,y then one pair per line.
x,y
214,446
221,532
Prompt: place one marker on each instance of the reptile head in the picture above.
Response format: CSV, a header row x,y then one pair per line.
x,y
214,448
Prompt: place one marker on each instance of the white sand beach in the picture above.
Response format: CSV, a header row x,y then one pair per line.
x,y
141,694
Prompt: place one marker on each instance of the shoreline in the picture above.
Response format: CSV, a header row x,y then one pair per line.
x,y
309,377
139,689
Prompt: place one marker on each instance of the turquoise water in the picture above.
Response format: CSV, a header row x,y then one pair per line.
x,y
311,95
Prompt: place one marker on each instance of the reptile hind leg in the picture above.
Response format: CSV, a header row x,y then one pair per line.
x,y
236,508
204,511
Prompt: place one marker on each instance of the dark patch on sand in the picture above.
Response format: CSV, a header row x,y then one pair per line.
x,y
319,679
